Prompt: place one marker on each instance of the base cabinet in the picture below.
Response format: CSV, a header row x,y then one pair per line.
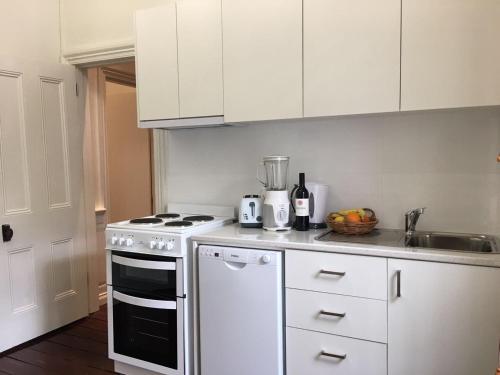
x,y
445,321
317,353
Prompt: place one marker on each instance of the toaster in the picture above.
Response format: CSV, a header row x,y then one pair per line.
x,y
251,211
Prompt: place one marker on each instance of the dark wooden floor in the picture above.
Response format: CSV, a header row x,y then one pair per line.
x,y
77,349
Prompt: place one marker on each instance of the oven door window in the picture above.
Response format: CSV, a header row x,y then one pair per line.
x,y
147,274
146,329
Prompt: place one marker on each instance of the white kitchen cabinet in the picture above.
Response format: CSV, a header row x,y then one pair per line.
x,y
450,55
310,353
179,62
200,58
156,63
351,56
350,275
335,314
446,320
262,59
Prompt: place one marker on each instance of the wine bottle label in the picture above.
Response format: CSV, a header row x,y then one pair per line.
x,y
302,207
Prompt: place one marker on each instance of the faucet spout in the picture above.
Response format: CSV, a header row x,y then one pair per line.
x,y
411,219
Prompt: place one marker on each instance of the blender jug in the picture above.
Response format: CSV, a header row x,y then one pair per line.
x,y
276,168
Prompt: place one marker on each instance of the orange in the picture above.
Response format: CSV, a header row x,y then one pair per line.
x,y
353,217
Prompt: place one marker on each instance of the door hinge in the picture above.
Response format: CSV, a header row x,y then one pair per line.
x,y
76,89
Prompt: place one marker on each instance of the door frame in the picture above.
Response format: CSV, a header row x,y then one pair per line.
x,y
95,167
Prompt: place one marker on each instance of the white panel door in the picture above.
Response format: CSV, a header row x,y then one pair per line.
x,y
43,269
450,55
351,56
156,63
446,320
199,31
262,59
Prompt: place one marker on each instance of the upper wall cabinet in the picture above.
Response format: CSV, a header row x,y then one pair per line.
x,y
156,63
200,58
262,59
351,56
179,64
450,54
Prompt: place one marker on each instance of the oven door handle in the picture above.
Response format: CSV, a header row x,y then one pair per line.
x,y
142,302
148,264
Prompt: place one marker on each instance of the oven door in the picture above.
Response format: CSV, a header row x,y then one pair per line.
x,y
146,333
158,276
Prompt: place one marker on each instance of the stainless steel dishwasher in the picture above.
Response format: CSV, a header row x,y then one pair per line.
x,y
240,311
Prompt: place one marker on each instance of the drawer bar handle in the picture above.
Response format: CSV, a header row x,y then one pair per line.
x,y
398,283
323,312
332,273
332,355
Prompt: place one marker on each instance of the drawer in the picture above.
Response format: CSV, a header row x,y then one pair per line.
x,y
351,275
364,318
304,350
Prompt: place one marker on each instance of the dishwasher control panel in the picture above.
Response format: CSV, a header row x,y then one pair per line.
x,y
238,255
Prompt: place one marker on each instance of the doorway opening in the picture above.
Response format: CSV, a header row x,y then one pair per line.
x,y
119,160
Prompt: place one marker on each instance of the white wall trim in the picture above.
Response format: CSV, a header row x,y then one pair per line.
x,y
103,294
160,172
89,191
92,55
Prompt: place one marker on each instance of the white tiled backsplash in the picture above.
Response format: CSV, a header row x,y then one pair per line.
x,y
443,160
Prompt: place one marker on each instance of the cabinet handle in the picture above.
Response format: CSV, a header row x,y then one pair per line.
x,y
325,272
398,283
332,355
323,312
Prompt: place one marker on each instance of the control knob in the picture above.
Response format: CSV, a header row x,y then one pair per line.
x,y
114,240
161,245
129,242
121,241
170,245
152,244
266,258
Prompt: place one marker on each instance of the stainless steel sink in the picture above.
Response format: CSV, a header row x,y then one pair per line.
x,y
476,243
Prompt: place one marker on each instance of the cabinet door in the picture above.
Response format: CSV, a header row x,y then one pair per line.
x,y
450,54
200,58
262,59
351,56
446,320
156,63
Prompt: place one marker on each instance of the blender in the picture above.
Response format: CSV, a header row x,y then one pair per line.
x,y
276,209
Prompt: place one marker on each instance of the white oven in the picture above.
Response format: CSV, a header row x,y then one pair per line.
x,y
146,311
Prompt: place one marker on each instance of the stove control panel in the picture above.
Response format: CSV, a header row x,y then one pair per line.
x,y
144,242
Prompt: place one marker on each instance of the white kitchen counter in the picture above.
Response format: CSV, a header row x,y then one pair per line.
x,y
234,235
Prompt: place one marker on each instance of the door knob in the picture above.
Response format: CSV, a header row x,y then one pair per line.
x,y
7,232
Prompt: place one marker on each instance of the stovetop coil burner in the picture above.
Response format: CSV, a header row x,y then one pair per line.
x,y
168,216
146,220
179,224
198,218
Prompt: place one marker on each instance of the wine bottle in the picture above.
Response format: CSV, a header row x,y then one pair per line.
x,y
301,203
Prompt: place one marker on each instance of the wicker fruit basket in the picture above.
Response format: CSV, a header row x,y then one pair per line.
x,y
353,228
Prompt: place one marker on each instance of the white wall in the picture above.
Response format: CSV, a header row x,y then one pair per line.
x,y
443,160
96,24
29,29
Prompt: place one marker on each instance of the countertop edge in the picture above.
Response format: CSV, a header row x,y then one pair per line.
x,y
483,260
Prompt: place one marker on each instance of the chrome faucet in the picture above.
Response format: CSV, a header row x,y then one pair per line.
x,y
411,219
